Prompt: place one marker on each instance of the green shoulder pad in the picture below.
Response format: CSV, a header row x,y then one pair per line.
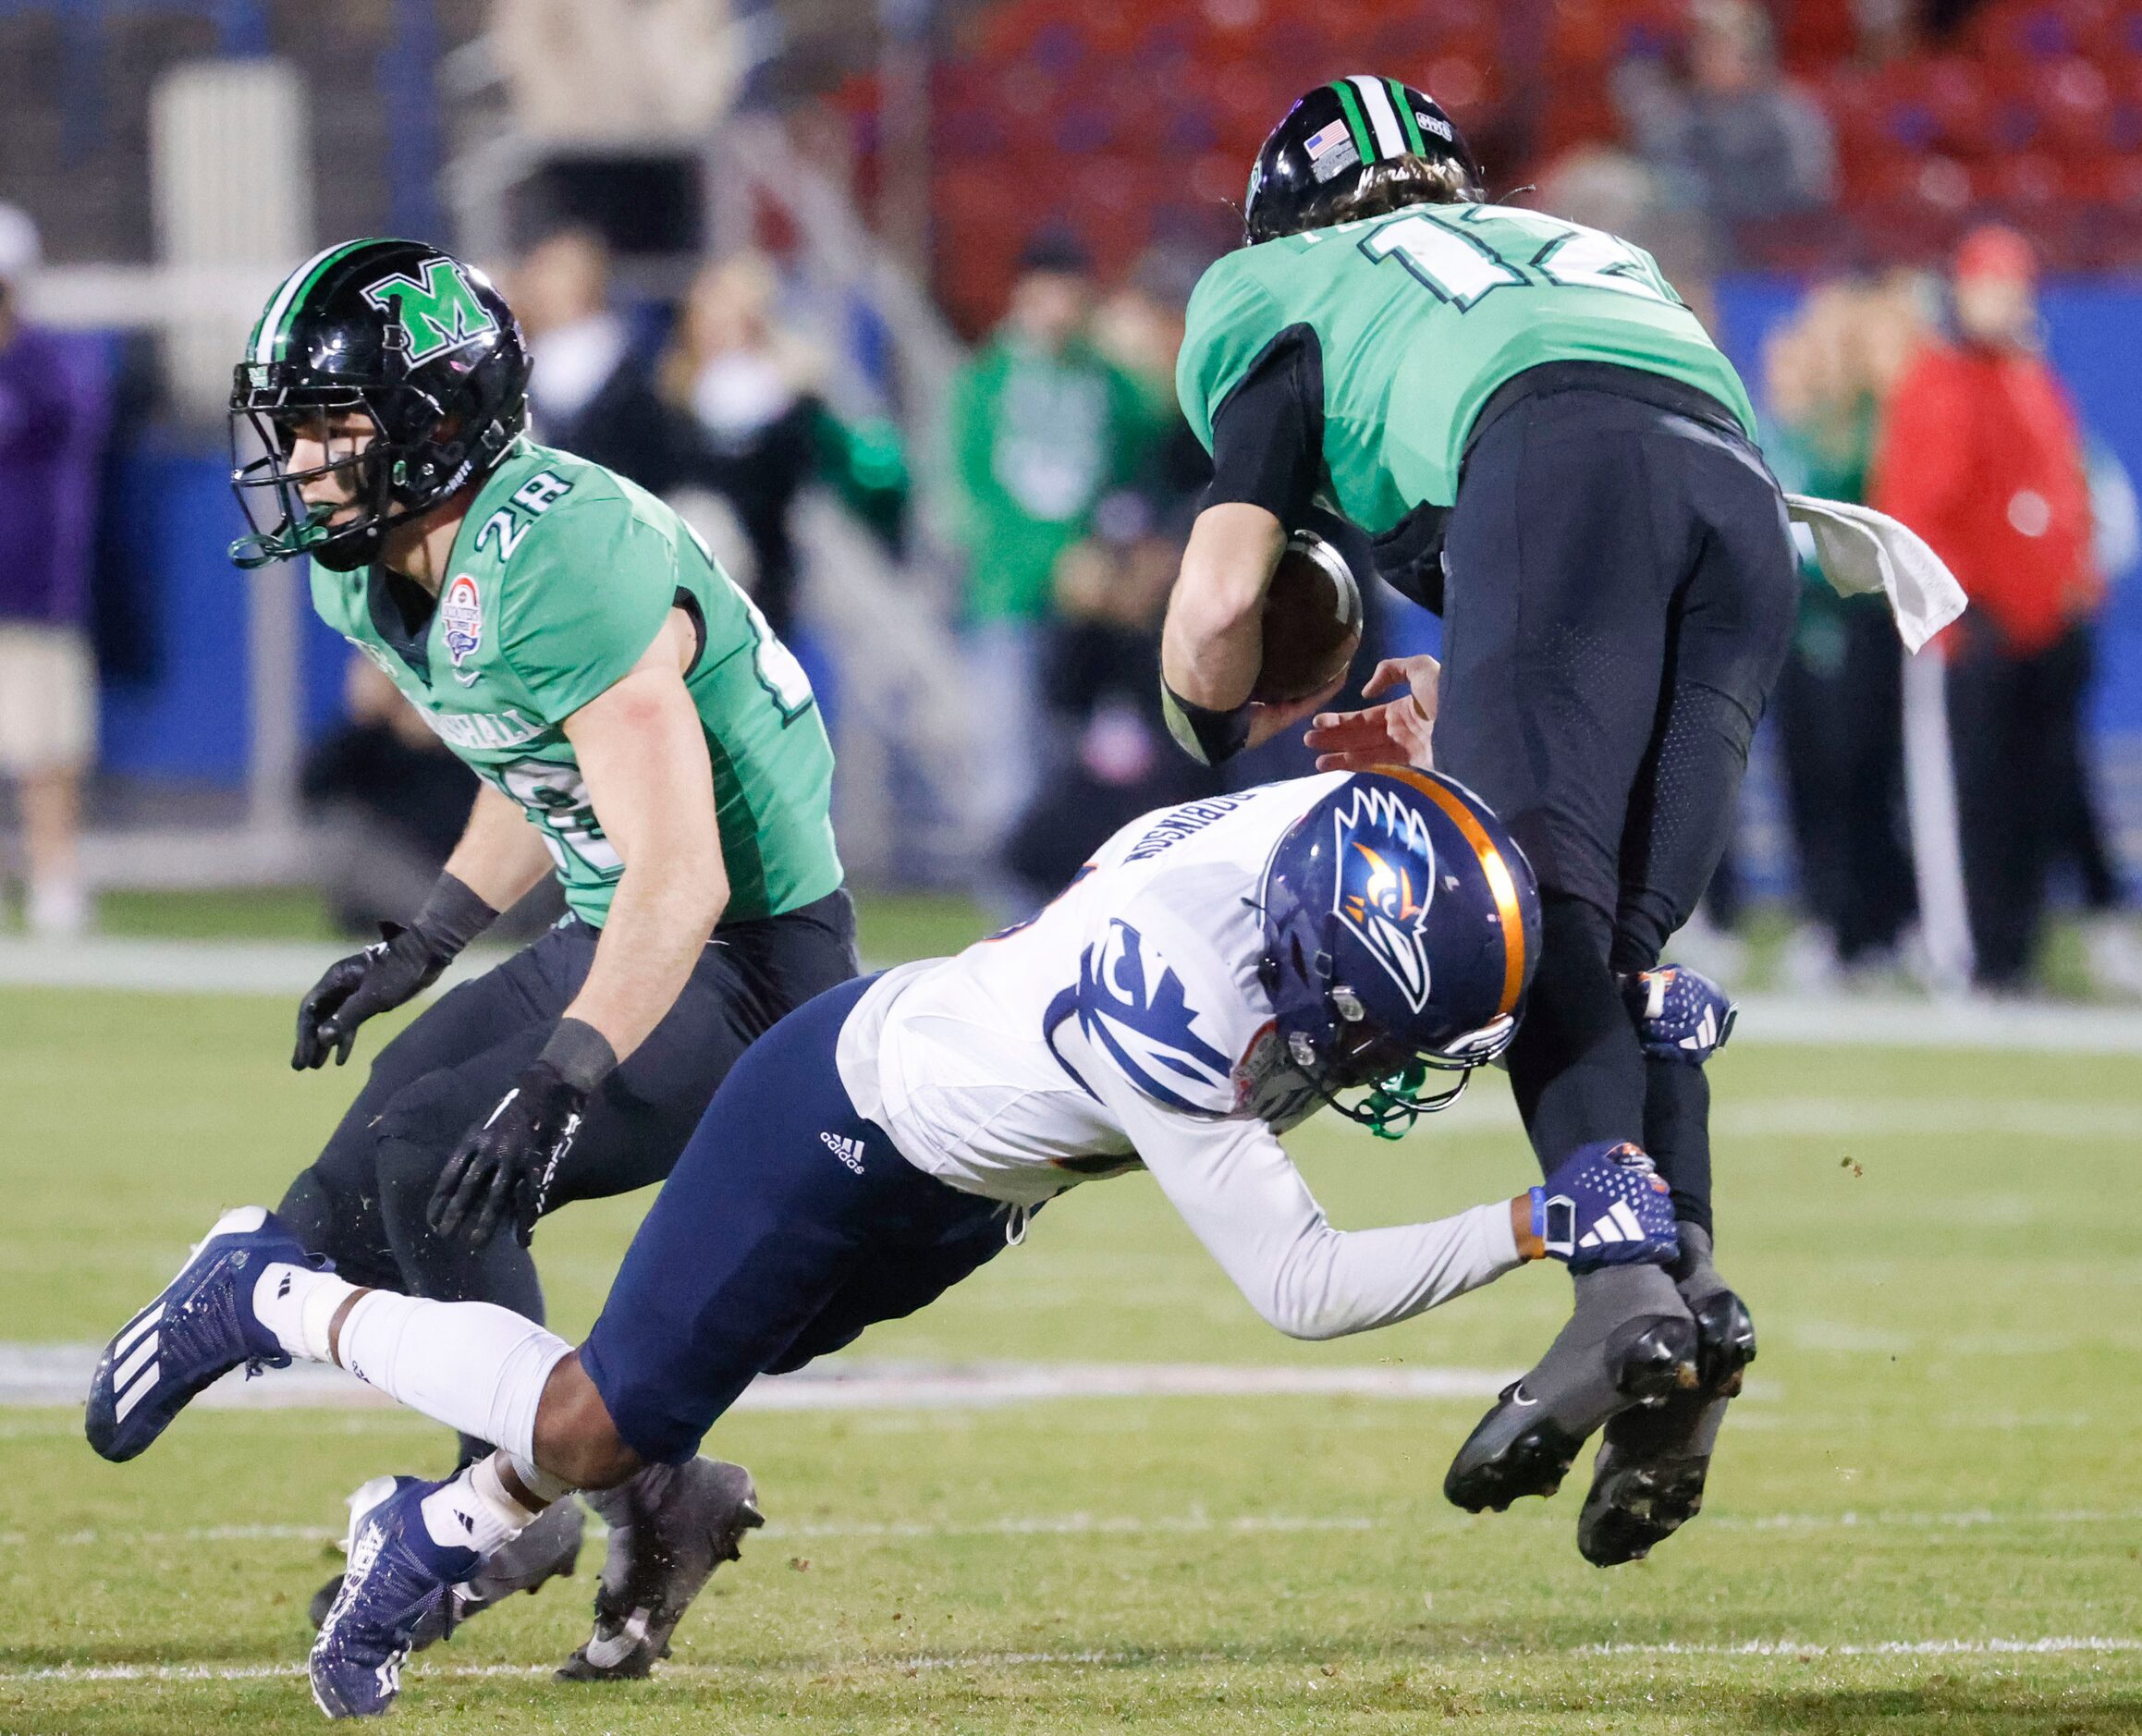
x,y
584,592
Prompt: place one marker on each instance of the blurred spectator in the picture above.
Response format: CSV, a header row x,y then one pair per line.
x,y
586,72
1139,328
1980,453
1604,186
48,697
1041,427
590,394
1111,758
1736,139
1839,701
392,801
751,427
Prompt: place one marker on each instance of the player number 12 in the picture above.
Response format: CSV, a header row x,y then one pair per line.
x,y
1461,266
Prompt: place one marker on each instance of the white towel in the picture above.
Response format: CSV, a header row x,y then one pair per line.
x,y
1861,550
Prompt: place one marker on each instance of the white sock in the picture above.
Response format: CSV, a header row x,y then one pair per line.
x,y
539,1482
474,1510
474,1366
298,1305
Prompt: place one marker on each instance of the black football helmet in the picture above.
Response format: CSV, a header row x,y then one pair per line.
x,y
404,334
1331,136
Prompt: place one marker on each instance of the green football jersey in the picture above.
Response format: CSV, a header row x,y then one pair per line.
x,y
1420,315
561,576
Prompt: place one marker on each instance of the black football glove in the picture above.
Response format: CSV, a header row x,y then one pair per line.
x,y
504,1168
401,964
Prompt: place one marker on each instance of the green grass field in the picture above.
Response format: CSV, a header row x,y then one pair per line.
x,y
1944,1253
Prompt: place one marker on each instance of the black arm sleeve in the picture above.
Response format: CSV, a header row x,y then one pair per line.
x,y
1267,435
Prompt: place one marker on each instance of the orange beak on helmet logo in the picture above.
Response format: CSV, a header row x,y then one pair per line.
x,y
1390,890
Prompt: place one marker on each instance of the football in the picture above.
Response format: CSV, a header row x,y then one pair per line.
x,y
1311,622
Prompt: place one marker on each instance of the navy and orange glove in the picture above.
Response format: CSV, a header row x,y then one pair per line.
x,y
1680,1015
1606,1205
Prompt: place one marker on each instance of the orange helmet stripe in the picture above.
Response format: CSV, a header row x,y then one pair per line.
x,y
1500,880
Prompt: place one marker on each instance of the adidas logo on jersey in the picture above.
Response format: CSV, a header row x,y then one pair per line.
x,y
1617,1224
849,1151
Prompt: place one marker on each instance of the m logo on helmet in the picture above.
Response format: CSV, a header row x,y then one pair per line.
x,y
1387,878
438,311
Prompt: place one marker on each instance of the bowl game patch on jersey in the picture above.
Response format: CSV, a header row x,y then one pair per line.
x,y
461,618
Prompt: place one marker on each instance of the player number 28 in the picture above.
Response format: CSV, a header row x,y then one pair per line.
x,y
1461,266
555,796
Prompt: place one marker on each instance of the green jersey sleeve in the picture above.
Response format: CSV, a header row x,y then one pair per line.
x,y
1232,319
589,594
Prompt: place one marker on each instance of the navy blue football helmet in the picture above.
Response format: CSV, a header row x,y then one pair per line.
x,y
1401,926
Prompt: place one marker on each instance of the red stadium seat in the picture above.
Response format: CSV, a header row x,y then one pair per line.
x,y
2078,109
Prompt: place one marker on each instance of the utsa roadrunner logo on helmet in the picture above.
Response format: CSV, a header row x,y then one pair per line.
x,y
1385,881
438,311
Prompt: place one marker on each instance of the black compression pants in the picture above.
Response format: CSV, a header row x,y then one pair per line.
x,y
362,1202
1620,594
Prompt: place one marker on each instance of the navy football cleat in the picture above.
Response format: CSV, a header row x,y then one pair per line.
x,y
397,1579
199,1329
549,1548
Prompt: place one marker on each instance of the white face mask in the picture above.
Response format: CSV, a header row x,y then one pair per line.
x,y
739,393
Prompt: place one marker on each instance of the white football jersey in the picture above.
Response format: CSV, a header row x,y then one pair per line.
x,y
1125,1024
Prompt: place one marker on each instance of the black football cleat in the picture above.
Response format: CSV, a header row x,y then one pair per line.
x,y
1647,1480
1622,1348
548,1548
671,1527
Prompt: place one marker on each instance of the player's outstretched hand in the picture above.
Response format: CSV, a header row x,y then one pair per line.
x,y
401,963
1266,721
1680,1014
504,1168
1395,733
1607,1206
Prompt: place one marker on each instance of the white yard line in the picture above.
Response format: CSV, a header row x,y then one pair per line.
x,y
266,967
2050,1646
1195,1523
191,966
1876,1648
58,1375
